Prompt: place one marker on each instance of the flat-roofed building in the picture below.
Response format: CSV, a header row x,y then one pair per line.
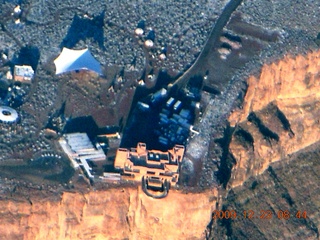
x,y
159,166
23,73
80,151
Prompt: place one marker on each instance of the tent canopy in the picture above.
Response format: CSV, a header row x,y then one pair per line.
x,y
72,60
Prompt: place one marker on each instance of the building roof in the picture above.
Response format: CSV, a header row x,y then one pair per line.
x,y
80,150
23,73
72,60
139,162
80,145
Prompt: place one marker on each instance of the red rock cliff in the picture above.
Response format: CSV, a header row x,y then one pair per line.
x,y
112,214
280,115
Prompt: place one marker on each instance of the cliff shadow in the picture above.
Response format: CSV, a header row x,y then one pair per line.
x,y
82,124
227,160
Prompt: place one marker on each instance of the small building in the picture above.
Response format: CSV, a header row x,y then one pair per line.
x,y
109,135
148,43
139,31
23,73
177,105
159,96
185,113
143,106
111,177
170,102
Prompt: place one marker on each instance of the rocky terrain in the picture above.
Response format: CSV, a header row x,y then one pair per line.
x,y
264,39
290,185
259,154
108,29
280,115
276,135
105,25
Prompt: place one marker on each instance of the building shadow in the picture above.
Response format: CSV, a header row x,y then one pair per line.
x,y
84,124
28,55
83,28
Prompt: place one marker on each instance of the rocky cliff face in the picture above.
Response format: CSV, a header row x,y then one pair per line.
x,y
290,185
112,214
280,115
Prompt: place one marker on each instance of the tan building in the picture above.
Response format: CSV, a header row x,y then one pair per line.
x,y
157,168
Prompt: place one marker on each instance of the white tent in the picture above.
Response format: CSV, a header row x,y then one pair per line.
x,y
71,60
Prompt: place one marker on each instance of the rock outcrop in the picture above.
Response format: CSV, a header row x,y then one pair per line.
x,y
280,115
289,186
111,214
